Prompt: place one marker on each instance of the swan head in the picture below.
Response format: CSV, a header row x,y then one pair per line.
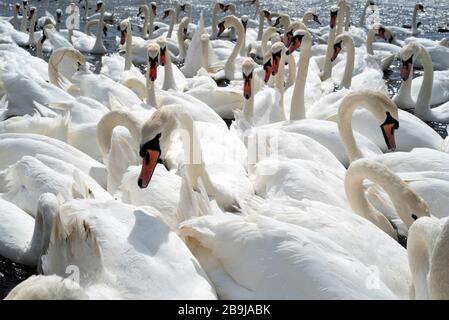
x,y
247,70
162,42
153,7
297,39
100,7
333,17
244,21
407,55
266,14
32,13
154,130
385,34
267,66
17,7
184,7
228,22
289,31
48,26
342,40
123,28
277,50
153,60
25,4
58,15
184,26
311,15
282,21
168,13
420,7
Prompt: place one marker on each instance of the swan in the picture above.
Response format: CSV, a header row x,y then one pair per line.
x,y
423,101
30,177
368,3
413,28
439,53
149,14
14,146
25,239
427,252
327,67
216,174
302,264
99,47
108,16
148,249
25,13
51,287
230,72
57,40
384,58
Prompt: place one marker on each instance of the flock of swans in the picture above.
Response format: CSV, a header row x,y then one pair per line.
x,y
129,185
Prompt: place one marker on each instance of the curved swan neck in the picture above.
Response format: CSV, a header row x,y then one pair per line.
x,y
297,108
291,79
375,102
109,122
269,32
235,23
394,186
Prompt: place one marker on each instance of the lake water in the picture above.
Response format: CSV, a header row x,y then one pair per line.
x,y
389,13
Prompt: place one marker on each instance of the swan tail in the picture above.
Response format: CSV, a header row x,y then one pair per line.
x,y
73,251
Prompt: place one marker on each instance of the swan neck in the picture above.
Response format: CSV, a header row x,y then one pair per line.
x,y
297,108
230,63
181,43
172,25
327,69
151,93
438,284
265,37
128,49
369,42
279,85
363,16
422,105
151,25
349,68
381,176
214,22
109,122
205,55
169,79
261,24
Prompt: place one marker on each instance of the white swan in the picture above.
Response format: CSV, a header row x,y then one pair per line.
x,y
302,264
25,239
29,178
149,251
423,100
413,28
427,251
47,288
99,47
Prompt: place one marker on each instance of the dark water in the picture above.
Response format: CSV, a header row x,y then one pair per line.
x,y
389,13
11,274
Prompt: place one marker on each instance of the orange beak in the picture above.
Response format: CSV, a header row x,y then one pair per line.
x,y
149,163
388,128
247,89
276,62
152,70
295,44
337,50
